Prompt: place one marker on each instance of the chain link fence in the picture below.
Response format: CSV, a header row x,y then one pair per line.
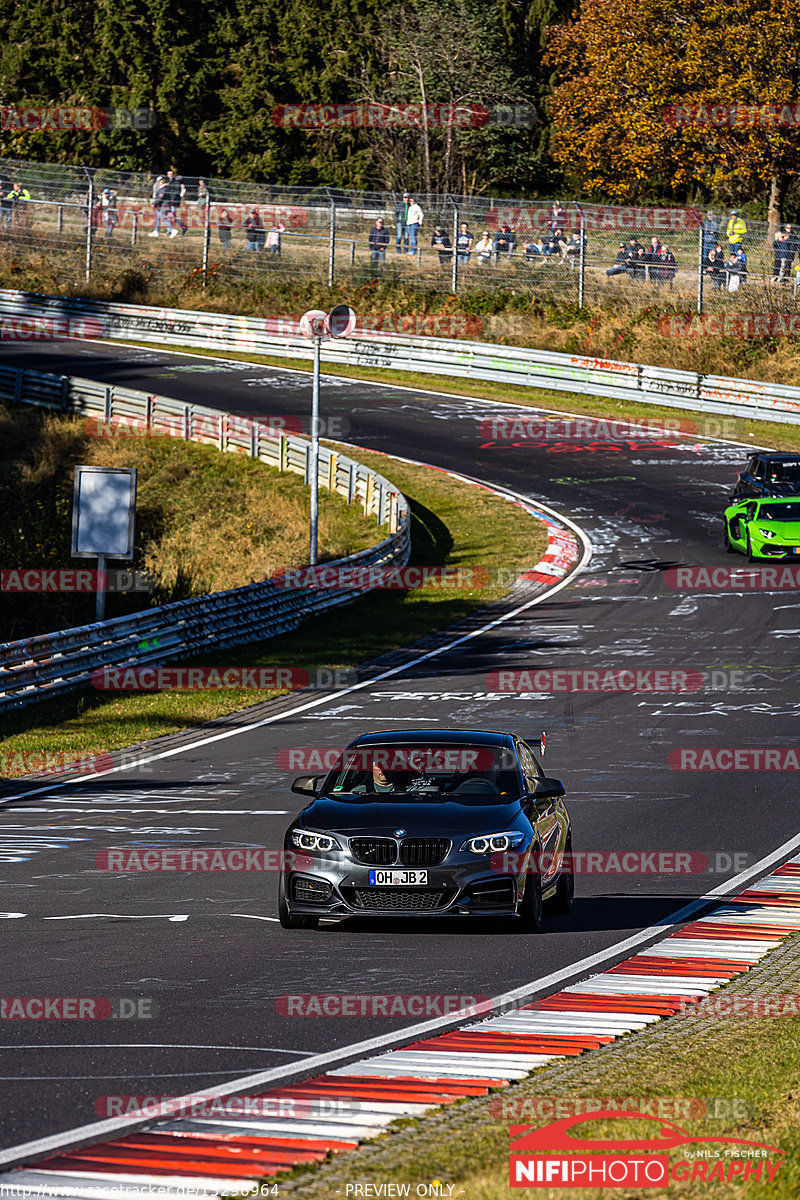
x,y
68,224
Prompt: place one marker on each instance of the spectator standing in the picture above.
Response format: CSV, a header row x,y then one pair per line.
x,y
792,246
378,241
254,230
109,210
203,194
401,221
504,240
5,203
734,271
273,242
174,198
441,242
20,199
736,230
164,215
710,230
484,248
225,225
414,219
714,267
557,216
464,243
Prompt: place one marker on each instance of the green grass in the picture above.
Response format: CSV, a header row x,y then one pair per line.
x,y
453,523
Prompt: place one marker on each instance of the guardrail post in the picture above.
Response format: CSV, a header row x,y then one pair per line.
x,y
255,430
222,431
106,404
700,261
283,452
187,422
369,492
18,375
65,387
333,458
351,483
148,413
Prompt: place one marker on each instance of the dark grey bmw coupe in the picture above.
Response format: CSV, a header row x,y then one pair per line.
x,y
424,823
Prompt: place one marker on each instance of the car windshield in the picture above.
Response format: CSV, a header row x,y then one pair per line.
x,y
779,512
783,472
419,769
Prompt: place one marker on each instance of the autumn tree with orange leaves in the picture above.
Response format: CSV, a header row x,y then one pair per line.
x,y
624,70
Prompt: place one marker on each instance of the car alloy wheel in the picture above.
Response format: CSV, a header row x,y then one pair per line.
x,y
531,909
750,556
289,920
565,888
726,538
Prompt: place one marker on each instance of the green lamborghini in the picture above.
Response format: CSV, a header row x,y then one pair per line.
x,y
763,528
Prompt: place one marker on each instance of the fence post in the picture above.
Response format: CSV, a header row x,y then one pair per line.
x,y
455,246
60,218
206,238
332,244
134,228
581,258
352,253
89,229
700,270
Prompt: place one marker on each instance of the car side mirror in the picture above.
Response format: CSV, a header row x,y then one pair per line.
x,y
306,785
548,789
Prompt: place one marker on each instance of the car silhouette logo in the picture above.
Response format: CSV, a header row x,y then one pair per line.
x,y
666,1135
399,832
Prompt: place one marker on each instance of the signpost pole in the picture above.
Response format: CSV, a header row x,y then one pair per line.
x,y
100,604
314,459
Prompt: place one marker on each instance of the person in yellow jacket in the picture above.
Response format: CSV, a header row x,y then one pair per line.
x,y
735,231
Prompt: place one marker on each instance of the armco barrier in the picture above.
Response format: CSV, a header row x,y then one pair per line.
x,y
52,316
41,666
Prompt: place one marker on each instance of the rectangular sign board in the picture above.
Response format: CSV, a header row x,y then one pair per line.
x,y
103,512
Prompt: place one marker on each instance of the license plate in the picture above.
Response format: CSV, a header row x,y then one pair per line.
x,y
398,878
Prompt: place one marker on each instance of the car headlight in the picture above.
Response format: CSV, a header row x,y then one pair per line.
x,y
320,843
769,534
493,843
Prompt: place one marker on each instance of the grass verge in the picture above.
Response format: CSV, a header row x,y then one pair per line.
x,y
453,523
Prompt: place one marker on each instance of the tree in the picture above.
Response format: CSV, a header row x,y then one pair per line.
x,y
629,74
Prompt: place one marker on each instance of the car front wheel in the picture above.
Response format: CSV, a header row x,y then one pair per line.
x,y
726,538
531,909
565,888
289,920
751,557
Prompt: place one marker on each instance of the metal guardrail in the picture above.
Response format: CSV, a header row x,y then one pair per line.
x,y
37,667
52,316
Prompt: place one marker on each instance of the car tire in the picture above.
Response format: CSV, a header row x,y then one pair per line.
x,y
749,551
726,539
565,888
287,919
531,910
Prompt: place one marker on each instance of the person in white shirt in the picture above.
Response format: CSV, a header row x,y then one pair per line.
x,y
484,249
414,221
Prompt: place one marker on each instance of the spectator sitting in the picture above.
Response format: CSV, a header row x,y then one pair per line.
x,y
504,240
621,262
558,243
741,258
273,238
378,241
714,266
441,241
735,270
654,249
484,248
464,243
573,247
639,264
735,231
254,230
225,225
710,228
667,266
541,248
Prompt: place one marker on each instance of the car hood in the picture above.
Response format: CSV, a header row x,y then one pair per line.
x,y
437,815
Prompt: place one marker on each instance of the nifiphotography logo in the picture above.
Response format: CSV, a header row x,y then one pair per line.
x,y
549,1157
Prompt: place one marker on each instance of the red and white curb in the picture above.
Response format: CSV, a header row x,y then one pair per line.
x,y
337,1111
